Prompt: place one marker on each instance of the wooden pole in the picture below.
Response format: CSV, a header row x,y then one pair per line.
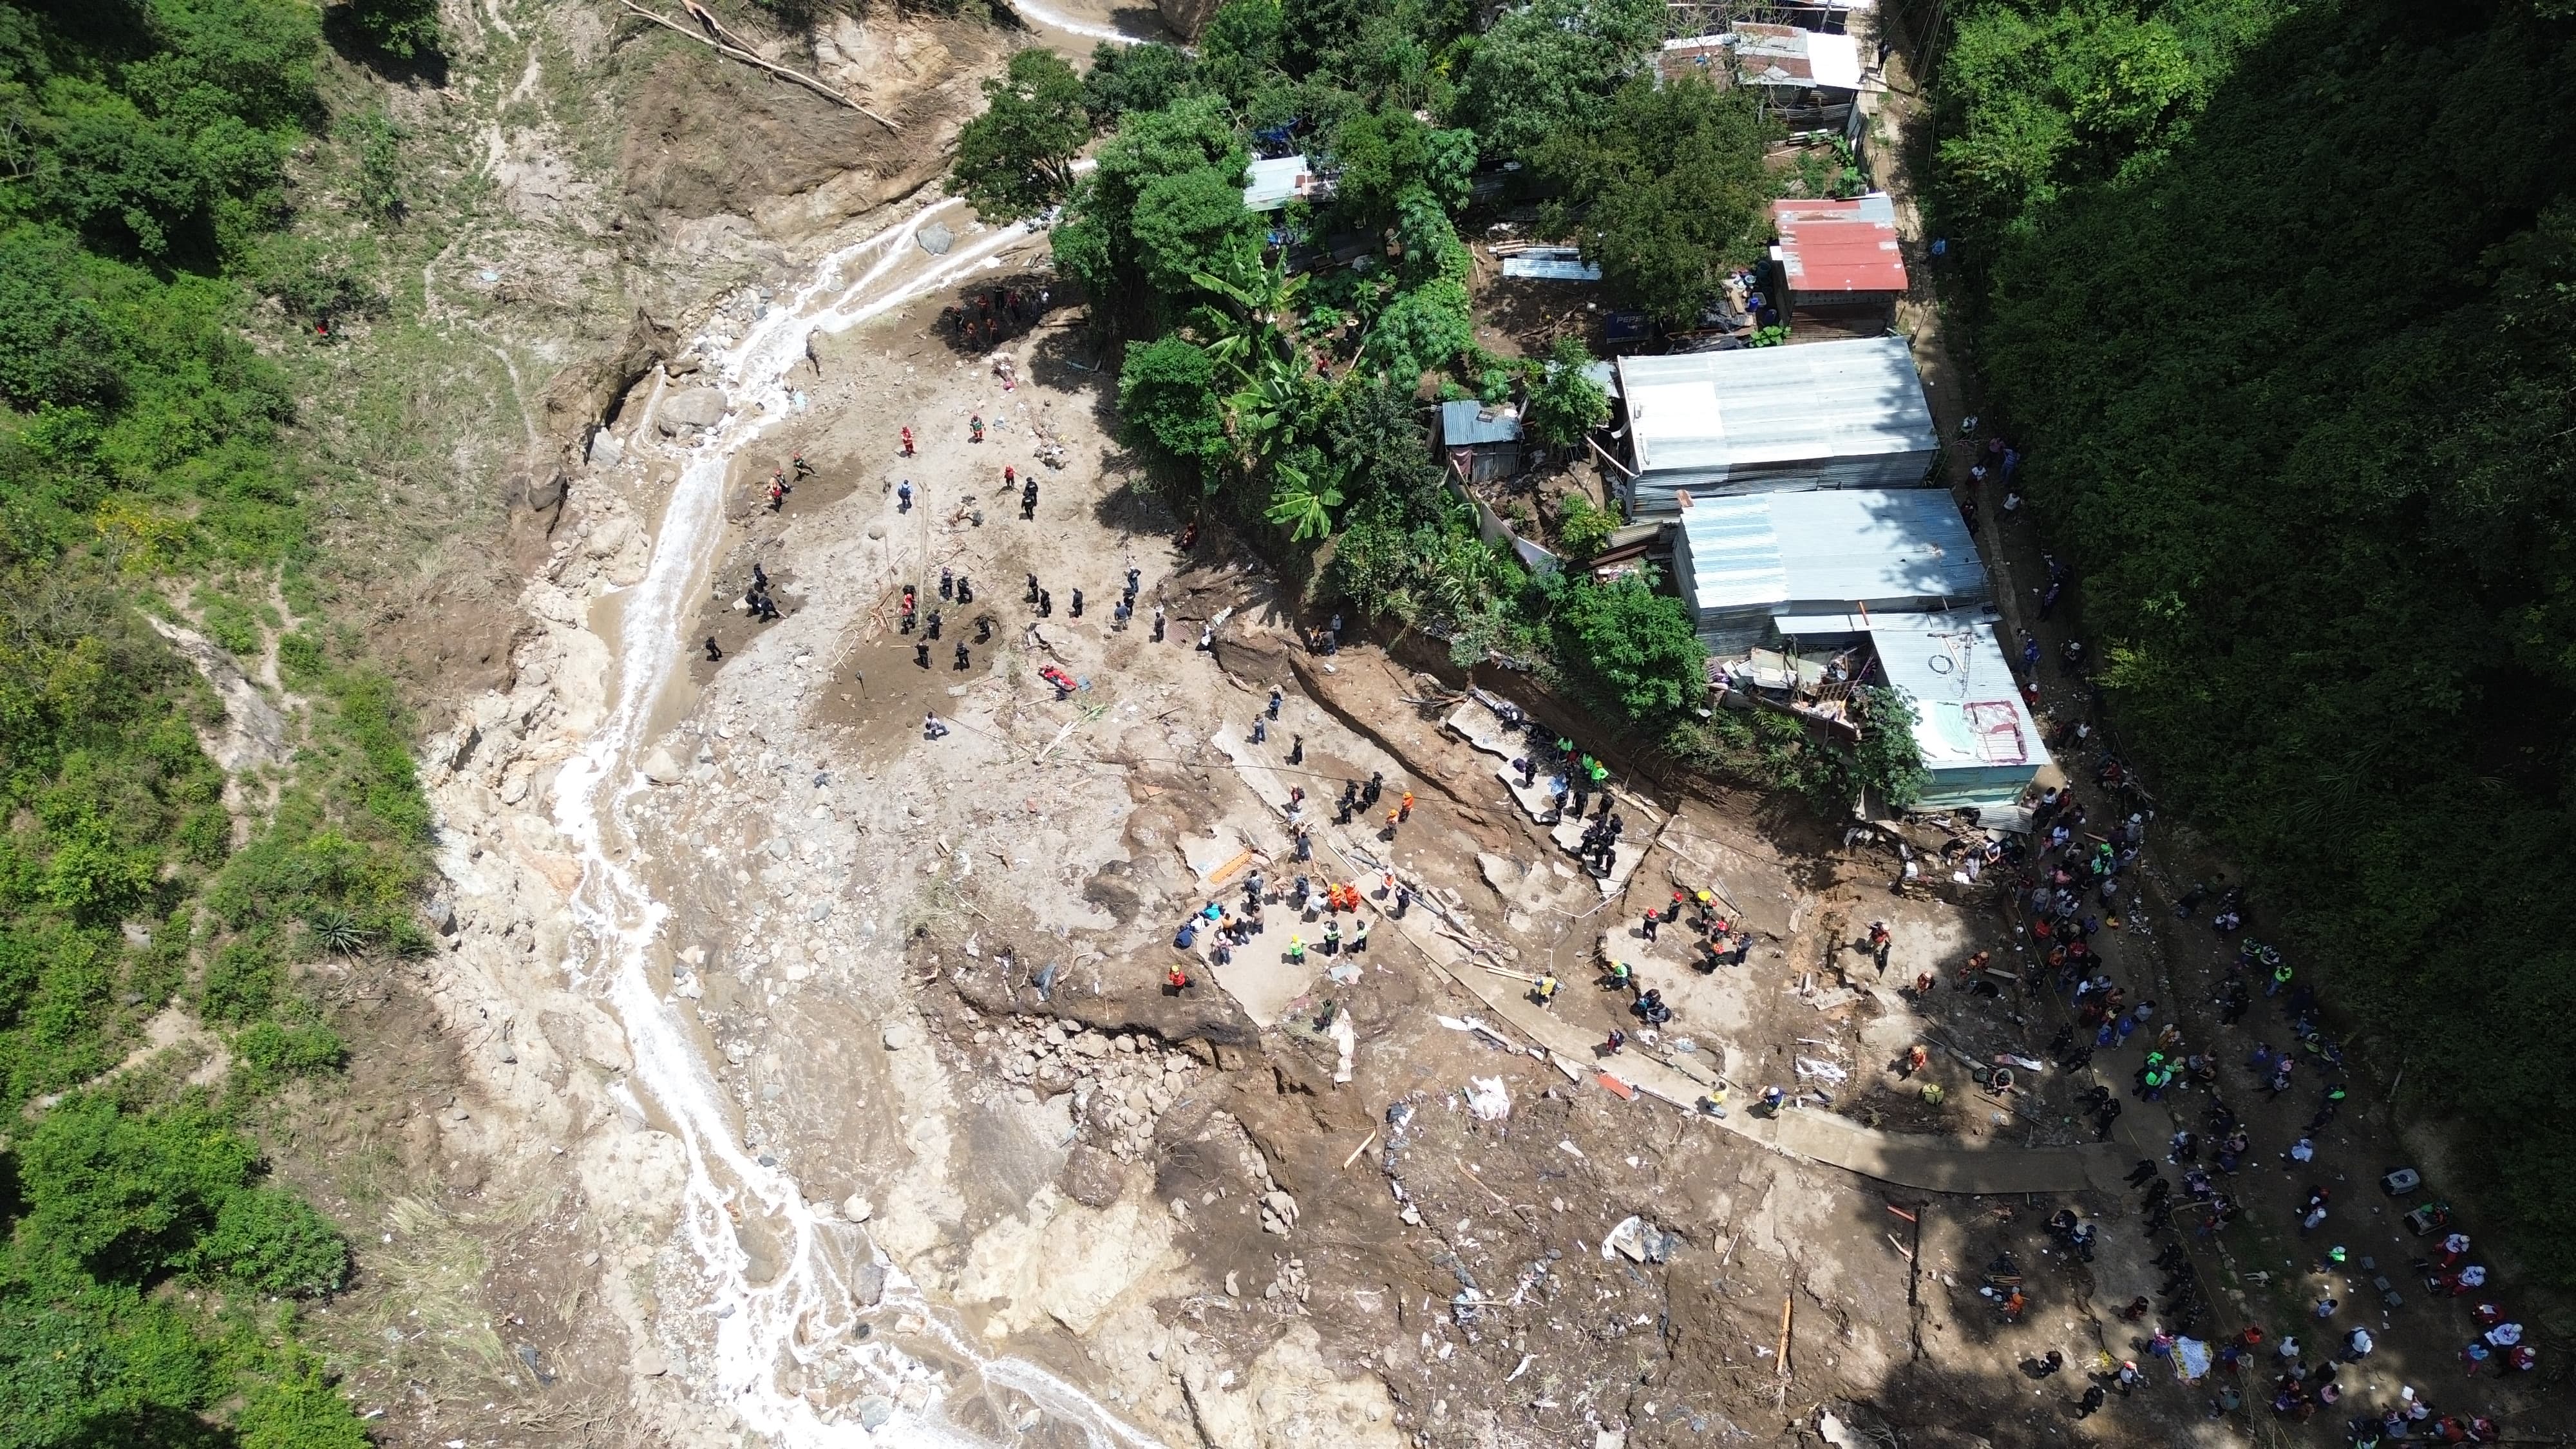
x,y
1356,1151
818,87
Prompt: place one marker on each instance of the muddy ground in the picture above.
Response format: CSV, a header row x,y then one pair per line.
x,y
1039,1197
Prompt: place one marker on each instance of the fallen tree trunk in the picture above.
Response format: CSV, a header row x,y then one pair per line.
x,y
736,52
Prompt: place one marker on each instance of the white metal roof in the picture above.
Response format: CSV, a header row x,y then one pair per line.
x,y
1270,183
1967,705
1758,406
1882,547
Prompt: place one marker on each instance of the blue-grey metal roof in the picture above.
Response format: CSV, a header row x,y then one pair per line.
x,y
1968,708
1898,548
1463,424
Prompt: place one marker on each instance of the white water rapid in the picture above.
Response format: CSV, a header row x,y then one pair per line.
x,y
804,1313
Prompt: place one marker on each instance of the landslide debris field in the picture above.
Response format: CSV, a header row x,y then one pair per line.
x,y
976,1139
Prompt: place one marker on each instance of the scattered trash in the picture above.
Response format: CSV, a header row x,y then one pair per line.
x,y
1640,1241
1487,1099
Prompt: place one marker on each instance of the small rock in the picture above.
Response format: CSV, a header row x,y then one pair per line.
x,y
868,1284
874,1411
649,1363
856,1208
442,917
660,768
1278,1212
901,1036
605,450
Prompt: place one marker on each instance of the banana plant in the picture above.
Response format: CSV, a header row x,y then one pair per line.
x,y
1305,493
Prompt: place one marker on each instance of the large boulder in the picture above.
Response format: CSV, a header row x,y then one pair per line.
x,y
579,397
696,407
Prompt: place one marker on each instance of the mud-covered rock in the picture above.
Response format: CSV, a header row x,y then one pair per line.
x,y
1092,1177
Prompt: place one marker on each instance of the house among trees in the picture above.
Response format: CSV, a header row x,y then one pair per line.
x,y
1480,444
1839,262
1847,414
1274,181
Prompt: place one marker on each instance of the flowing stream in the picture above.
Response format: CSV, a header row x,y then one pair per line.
x,y
805,1313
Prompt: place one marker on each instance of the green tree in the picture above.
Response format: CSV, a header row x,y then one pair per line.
x,y
1125,78
1167,400
1194,222
1667,192
1632,648
1384,153
407,29
1565,403
1550,66
1239,49
1016,159
1097,244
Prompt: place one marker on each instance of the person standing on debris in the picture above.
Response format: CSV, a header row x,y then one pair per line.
x,y
713,653
1034,590
1543,990
921,655
1616,1040
931,630
797,465
1046,604
907,442
1880,942
1648,927
964,660
947,583
1260,730
1273,710
1077,603
903,496
1297,750
1359,935
1297,950
1158,623
1177,980
975,428
1332,936
1393,819
1404,811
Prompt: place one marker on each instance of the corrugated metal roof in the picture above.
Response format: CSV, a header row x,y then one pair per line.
x,y
1554,264
1464,424
1756,407
1776,55
1270,183
1969,713
1840,246
1885,548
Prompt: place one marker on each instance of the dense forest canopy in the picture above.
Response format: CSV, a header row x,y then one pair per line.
x,y
2279,301
145,458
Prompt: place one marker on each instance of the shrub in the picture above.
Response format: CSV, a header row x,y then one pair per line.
x,y
275,1242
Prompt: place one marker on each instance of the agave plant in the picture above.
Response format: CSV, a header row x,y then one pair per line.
x,y
338,932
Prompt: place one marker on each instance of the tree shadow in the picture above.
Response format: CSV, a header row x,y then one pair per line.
x,y
424,67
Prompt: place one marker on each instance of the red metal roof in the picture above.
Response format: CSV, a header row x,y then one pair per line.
x,y
1831,246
